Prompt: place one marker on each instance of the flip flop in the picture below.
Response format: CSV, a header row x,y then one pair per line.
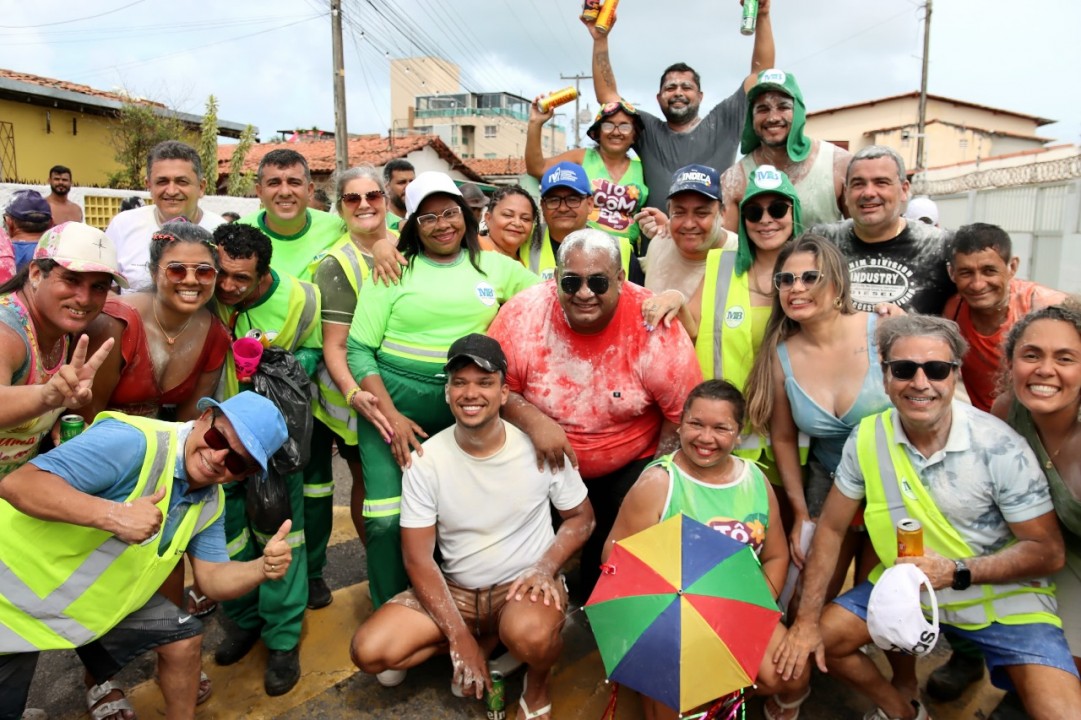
x,y
794,705
196,601
95,694
206,689
526,713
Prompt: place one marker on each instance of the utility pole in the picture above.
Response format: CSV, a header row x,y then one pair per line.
x,y
341,135
578,88
921,128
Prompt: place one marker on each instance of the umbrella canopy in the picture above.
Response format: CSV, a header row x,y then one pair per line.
x,y
682,613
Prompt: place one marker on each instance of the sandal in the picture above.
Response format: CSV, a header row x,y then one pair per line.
x,y
96,693
776,700
195,606
206,689
526,713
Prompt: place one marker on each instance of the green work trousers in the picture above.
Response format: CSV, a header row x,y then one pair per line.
x,y
318,498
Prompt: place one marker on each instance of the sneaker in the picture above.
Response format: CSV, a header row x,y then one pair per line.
x,y
237,643
948,682
282,671
390,678
1009,708
877,714
319,595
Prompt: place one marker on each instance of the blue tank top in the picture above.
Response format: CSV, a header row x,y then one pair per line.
x,y
827,431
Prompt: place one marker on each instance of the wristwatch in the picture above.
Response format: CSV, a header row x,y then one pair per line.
x,y
962,576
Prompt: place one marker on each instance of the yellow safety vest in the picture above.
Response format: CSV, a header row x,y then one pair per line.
x,y
331,407
894,491
541,260
65,585
725,342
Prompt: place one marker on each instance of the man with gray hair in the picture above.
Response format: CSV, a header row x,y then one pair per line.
x,y
588,379
890,259
174,177
990,537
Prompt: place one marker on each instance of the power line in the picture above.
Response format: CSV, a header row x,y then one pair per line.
x,y
73,20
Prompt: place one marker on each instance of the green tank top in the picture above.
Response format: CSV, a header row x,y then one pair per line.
x,y
739,509
615,200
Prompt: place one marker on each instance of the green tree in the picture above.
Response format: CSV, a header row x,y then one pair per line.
x,y
241,181
208,144
138,128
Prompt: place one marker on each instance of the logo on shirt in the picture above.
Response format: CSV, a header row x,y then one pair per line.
x,y
486,293
733,317
548,273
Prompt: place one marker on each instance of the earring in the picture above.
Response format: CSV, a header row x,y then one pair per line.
x,y
34,285
838,302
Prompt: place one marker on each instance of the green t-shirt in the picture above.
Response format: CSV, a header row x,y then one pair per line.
x,y
433,305
293,254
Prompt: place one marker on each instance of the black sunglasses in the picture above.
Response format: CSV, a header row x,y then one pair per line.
x,y
234,461
933,369
785,280
597,284
776,209
372,196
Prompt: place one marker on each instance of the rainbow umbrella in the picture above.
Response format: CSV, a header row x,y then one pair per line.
x,y
682,613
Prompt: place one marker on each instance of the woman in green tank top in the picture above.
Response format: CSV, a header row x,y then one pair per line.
x,y
703,480
1042,401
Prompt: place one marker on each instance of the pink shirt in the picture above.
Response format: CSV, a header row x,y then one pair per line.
x,y
609,391
7,257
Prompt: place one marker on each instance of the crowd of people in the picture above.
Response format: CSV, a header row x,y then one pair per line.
x,y
784,346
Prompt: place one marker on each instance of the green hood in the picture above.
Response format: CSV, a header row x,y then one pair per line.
x,y
766,179
799,147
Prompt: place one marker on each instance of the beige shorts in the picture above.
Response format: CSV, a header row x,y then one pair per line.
x,y
481,609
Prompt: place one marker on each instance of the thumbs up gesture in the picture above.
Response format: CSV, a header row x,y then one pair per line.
x,y
277,554
138,520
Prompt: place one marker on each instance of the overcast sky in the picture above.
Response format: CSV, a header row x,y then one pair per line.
x,y
269,63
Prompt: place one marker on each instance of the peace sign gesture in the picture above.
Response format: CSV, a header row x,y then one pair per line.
x,y
70,386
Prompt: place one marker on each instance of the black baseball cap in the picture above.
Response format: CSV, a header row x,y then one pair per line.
x,y
482,350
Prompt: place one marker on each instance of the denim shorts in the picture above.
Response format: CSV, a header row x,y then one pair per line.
x,y
1002,645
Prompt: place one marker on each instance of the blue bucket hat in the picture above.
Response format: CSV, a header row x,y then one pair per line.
x,y
257,422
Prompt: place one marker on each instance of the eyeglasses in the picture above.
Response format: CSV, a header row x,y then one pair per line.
x,y
933,369
552,202
431,218
623,127
235,463
373,197
753,212
785,280
597,284
177,272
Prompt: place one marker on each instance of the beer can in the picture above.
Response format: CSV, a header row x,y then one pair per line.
x,y
496,700
559,97
909,538
604,17
750,17
70,426
590,9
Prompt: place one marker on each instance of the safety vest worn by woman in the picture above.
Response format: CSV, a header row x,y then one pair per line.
x,y
894,491
66,585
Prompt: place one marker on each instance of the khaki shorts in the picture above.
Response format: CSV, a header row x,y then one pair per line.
x,y
481,609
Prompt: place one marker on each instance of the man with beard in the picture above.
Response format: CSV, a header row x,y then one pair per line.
x,y
773,135
60,184
683,137
397,174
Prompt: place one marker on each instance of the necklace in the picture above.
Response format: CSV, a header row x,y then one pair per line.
x,y
755,287
170,340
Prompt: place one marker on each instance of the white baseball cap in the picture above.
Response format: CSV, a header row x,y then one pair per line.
x,y
895,618
425,184
923,209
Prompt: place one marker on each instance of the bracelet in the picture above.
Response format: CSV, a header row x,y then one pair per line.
x,y
350,395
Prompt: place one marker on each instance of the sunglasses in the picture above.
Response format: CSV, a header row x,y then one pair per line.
x,y
776,209
177,272
373,197
234,461
785,280
431,218
933,369
597,284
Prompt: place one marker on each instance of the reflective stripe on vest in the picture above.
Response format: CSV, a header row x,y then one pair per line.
x,y
307,315
541,260
414,352
383,507
879,456
235,546
77,593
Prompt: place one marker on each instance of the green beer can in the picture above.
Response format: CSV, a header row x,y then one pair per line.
x,y
496,700
70,426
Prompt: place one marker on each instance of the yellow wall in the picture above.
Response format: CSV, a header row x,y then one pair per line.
x,y
89,153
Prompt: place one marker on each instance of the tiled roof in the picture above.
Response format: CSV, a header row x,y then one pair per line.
x,y
71,87
489,167
365,150
931,96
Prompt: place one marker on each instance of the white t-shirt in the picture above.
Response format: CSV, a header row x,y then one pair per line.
x,y
491,515
130,231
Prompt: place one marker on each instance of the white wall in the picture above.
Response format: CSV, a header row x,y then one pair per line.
x,y
213,203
